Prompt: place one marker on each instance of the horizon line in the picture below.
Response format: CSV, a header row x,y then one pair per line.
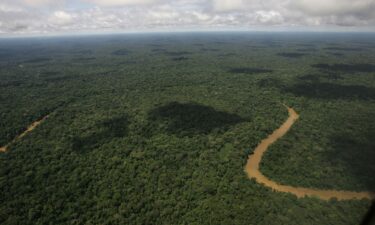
x,y
149,32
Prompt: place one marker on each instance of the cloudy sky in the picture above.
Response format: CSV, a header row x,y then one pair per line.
x,y
33,17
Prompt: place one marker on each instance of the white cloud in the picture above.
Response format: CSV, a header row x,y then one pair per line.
x,y
6,8
45,16
336,7
61,18
269,17
201,16
41,3
37,2
120,2
227,5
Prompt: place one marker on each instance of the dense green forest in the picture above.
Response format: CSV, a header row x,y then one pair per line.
x,y
156,129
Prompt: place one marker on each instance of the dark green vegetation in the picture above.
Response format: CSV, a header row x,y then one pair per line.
x,y
189,118
103,131
291,54
343,49
246,70
347,68
121,52
157,129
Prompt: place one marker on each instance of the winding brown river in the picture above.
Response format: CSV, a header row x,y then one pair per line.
x,y
252,166
252,169
28,129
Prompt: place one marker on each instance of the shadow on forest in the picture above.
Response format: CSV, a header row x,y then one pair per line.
x,y
192,118
310,77
316,77
269,82
209,50
83,59
291,54
331,91
249,70
358,156
60,78
180,58
84,52
37,60
338,54
227,54
349,68
11,83
311,86
158,50
343,49
50,73
121,52
178,53
105,131
307,49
